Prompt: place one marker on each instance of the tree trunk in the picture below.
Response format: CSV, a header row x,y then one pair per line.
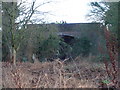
x,y
10,54
13,53
14,57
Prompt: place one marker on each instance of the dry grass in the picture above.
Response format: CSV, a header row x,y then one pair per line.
x,y
79,73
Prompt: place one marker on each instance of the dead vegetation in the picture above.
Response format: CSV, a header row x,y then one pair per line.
x,y
80,73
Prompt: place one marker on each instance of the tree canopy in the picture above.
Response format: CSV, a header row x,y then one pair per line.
x,y
107,13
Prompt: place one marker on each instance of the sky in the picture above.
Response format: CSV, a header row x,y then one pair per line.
x,y
71,11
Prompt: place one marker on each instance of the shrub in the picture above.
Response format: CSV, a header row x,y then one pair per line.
x,y
112,49
48,48
82,46
99,58
64,50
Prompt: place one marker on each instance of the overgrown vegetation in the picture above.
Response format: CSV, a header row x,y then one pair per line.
x,y
81,47
21,43
48,48
110,19
80,73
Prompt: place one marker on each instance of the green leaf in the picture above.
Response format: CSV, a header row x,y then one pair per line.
x,y
106,81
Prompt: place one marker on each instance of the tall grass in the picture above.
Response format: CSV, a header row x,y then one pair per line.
x,y
56,74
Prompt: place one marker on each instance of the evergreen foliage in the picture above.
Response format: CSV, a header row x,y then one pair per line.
x,y
82,46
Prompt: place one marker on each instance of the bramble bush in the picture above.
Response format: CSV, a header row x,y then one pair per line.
x,y
112,50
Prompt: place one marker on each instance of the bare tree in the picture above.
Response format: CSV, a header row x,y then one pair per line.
x,y
16,16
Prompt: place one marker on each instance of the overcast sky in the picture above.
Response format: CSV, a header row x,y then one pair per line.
x,y
71,11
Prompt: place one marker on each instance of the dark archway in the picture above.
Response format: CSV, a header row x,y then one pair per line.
x,y
69,39
66,45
